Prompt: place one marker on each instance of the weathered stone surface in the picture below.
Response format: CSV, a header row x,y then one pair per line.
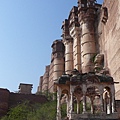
x,y
8,100
98,32
4,99
110,40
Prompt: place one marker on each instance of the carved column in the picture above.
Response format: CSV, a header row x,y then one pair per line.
x,y
108,103
113,98
71,102
108,106
68,55
105,102
78,107
58,103
75,34
84,103
68,43
113,103
84,89
76,47
101,102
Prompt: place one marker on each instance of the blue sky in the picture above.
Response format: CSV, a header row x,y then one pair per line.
x,y
27,30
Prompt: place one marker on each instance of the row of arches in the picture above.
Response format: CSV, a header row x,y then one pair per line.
x,y
81,99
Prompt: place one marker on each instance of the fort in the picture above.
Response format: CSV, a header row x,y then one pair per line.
x,y
85,63
90,41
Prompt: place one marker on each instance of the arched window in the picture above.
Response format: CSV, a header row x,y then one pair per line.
x,y
93,100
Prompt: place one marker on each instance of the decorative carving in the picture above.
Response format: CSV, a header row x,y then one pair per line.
x,y
99,62
89,88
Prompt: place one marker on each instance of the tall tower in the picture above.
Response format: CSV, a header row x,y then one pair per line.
x,y
86,16
45,79
75,34
40,84
57,59
68,42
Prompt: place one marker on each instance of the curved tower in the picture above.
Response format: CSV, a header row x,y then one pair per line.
x,y
58,59
86,16
75,34
45,79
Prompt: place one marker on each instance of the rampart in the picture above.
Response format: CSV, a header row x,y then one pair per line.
x,y
8,99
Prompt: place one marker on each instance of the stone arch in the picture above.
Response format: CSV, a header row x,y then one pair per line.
x,y
93,99
65,101
78,93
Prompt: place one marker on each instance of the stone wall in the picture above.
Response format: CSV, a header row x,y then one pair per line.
x,y
109,41
16,98
4,99
118,107
8,100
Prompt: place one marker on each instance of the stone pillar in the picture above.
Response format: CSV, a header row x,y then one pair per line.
x,y
58,103
58,59
75,34
113,104
76,50
84,89
68,55
58,68
71,102
68,42
101,101
113,99
105,103
92,106
86,17
68,106
84,103
109,106
78,107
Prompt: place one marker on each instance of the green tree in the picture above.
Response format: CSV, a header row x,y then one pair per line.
x,y
26,111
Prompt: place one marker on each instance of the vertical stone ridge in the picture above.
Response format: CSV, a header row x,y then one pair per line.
x,y
57,59
86,15
75,34
68,43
